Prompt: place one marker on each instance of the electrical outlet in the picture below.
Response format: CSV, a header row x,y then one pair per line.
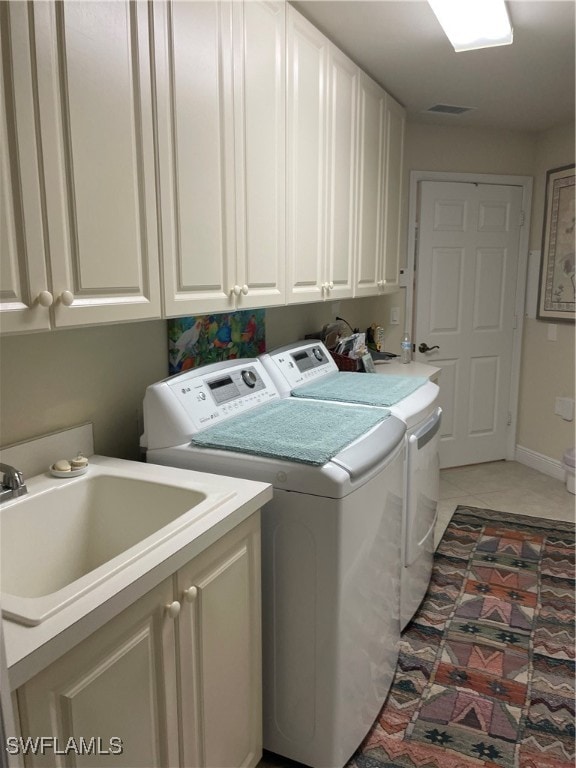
x,y
394,315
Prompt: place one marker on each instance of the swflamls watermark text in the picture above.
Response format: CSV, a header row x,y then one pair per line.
x,y
43,745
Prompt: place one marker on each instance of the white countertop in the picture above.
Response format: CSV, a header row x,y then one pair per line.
x,y
396,368
29,649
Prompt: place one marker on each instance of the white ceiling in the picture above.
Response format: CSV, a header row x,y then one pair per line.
x,y
526,86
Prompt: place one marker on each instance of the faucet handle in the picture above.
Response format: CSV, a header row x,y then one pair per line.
x,y
13,480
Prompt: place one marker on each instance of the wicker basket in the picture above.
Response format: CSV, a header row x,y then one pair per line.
x,y
345,363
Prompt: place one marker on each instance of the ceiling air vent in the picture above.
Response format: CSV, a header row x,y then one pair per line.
x,y
448,109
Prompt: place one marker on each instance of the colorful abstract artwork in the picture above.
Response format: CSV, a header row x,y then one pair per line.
x,y
203,339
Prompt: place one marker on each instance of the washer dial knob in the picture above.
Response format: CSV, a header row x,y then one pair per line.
x,y
249,378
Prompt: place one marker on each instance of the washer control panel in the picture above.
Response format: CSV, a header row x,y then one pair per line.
x,y
299,364
210,396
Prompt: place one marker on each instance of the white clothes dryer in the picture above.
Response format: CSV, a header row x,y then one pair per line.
x,y
307,370
331,539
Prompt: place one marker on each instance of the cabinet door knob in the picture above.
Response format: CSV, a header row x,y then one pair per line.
x,y
244,290
173,609
67,298
236,290
45,299
190,594
330,285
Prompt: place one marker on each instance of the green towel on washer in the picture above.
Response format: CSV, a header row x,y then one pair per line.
x,y
361,388
295,430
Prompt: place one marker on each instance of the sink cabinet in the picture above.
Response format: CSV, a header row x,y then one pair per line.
x,y
176,676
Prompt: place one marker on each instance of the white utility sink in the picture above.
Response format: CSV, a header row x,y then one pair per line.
x,y
65,537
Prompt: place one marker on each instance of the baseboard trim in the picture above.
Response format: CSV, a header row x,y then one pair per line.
x,y
540,462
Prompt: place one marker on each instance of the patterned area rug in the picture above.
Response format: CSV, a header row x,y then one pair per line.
x,y
485,677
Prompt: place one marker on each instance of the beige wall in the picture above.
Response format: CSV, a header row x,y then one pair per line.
x,y
468,150
547,366
49,381
287,324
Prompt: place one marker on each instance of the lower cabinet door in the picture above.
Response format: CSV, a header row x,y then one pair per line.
x,y
112,700
220,652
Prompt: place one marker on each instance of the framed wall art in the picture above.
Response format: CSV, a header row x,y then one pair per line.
x,y
557,293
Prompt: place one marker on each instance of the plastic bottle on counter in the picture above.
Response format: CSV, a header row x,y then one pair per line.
x,y
406,346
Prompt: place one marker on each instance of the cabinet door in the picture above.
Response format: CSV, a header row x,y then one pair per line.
x,y
120,683
94,90
306,52
23,274
372,147
220,652
395,125
260,120
193,57
341,174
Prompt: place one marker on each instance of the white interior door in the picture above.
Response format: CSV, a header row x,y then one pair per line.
x,y
466,271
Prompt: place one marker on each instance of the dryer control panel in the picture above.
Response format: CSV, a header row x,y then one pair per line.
x,y
297,364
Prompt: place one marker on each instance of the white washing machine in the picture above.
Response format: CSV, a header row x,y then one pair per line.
x,y
331,539
307,370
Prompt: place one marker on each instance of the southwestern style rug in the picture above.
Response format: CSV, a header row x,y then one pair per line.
x,y
485,677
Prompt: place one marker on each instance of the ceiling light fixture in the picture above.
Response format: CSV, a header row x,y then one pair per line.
x,y
472,24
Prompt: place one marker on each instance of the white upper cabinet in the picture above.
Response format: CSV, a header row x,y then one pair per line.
x,y
260,133
372,148
395,127
306,128
193,60
220,104
343,77
180,157
321,165
381,128
94,94
23,268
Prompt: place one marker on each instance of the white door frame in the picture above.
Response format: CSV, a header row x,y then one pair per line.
x,y
525,182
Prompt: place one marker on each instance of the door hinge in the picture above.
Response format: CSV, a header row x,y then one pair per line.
x,y
522,219
515,322
509,419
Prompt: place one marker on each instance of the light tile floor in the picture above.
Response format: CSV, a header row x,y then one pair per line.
x,y
506,486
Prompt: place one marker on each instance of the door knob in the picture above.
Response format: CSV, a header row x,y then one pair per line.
x,y
425,348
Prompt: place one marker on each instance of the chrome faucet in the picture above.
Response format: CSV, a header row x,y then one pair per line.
x,y
13,484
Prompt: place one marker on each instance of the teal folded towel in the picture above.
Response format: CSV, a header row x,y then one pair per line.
x,y
303,431
361,388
